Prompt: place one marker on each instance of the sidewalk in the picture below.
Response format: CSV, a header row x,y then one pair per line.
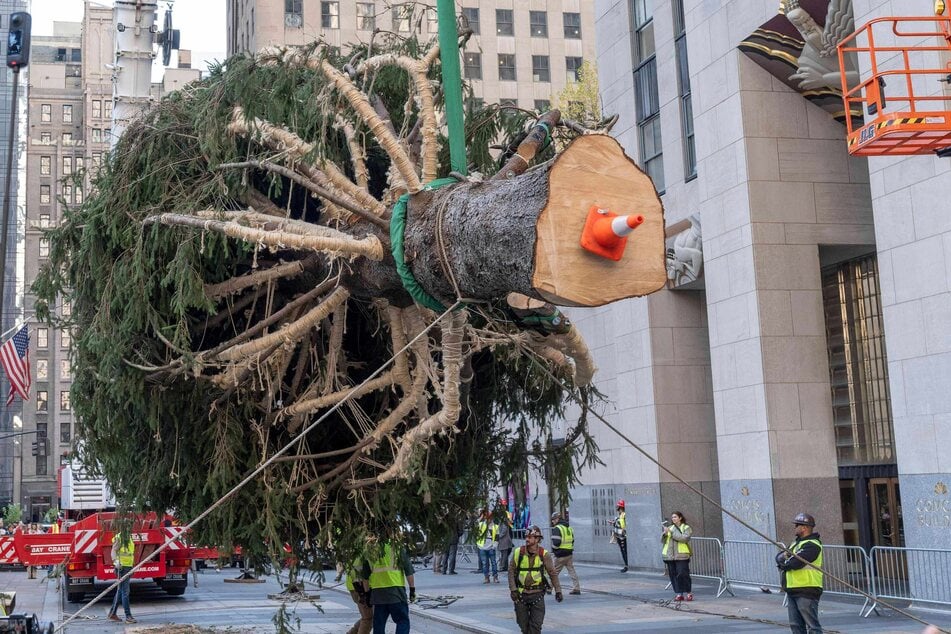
x,y
38,596
616,602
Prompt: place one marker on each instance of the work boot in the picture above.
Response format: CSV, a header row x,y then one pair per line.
x,y
624,569
679,597
486,581
575,591
495,578
113,617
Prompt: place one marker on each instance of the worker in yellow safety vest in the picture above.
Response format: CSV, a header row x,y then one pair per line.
x,y
563,547
123,560
530,572
487,537
802,581
386,578
620,531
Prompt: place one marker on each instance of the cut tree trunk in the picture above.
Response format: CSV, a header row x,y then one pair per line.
x,y
483,240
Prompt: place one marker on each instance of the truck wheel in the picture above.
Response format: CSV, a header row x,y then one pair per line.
x,y
175,592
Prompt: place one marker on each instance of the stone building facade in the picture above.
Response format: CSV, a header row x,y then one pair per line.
x,y
806,370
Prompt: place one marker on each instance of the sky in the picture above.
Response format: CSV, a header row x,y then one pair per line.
x,y
201,22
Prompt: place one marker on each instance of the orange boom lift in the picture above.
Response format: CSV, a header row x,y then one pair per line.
x,y
904,94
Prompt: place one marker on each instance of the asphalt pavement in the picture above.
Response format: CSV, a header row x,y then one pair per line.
x,y
610,602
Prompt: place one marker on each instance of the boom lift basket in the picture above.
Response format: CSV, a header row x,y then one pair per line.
x,y
905,90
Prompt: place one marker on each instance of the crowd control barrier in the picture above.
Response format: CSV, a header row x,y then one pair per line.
x,y
750,563
851,565
919,575
706,562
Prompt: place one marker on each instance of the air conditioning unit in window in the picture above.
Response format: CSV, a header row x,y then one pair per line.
x,y
293,20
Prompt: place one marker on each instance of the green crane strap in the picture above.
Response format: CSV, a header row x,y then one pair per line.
x,y
397,227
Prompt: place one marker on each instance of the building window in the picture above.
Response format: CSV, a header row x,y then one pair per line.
x,y
65,339
858,366
330,15
45,163
64,429
67,165
42,401
42,369
65,369
67,137
46,112
432,20
44,221
44,248
76,55
683,85
572,69
402,16
474,103
44,194
366,16
64,401
68,193
472,65
538,23
508,102
646,97
79,195
295,7
471,16
504,22
572,22
42,337
67,113
67,308
96,160
107,108
541,70
96,109
46,137
542,105
79,163
97,135
506,67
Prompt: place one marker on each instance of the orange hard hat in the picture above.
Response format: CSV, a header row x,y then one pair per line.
x,y
620,504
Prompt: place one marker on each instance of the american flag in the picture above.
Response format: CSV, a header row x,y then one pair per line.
x,y
15,357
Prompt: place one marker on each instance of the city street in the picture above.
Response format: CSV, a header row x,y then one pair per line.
x,y
610,602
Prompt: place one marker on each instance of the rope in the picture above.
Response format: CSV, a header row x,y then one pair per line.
x,y
573,394
224,498
397,228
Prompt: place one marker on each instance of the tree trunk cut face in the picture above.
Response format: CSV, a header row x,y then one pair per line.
x,y
594,170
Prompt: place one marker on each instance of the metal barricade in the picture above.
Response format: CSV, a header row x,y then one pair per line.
x,y
919,575
750,563
706,562
850,564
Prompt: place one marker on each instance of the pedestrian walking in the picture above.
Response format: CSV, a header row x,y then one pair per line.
x,y
123,560
449,556
563,549
486,538
802,582
360,593
505,540
676,552
620,532
530,572
386,580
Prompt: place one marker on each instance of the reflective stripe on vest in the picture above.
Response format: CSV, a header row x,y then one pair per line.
x,y
806,577
385,573
567,537
531,573
126,552
682,547
486,529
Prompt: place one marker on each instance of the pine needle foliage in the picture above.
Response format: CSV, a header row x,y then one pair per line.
x,y
173,425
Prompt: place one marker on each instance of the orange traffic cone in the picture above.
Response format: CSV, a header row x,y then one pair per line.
x,y
605,233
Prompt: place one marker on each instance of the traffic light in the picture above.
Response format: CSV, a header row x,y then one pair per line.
x,y
39,447
18,41
35,448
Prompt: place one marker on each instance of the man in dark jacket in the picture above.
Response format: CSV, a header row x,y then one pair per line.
x,y
801,581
